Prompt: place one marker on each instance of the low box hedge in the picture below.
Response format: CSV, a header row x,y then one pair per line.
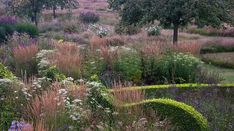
x,y
185,117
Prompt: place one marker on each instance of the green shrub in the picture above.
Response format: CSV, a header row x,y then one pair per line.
x,y
150,72
130,30
54,74
89,17
5,73
30,29
11,101
185,117
5,31
2,34
178,68
128,66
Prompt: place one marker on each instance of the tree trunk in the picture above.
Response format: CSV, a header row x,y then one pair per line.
x,y
175,34
54,12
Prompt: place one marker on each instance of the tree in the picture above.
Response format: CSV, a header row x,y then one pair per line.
x,y
33,8
27,8
54,4
173,13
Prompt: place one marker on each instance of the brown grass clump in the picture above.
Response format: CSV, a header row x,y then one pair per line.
x,y
115,41
78,92
97,42
151,50
123,97
108,55
24,54
67,59
44,109
192,47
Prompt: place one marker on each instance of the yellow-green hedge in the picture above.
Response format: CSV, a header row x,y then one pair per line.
x,y
185,117
189,85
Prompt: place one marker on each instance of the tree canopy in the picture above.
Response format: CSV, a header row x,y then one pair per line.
x,y
174,13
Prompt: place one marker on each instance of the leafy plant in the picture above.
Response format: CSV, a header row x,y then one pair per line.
x,y
27,28
89,17
5,73
179,67
128,66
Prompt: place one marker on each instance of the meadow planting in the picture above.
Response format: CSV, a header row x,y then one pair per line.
x,y
72,65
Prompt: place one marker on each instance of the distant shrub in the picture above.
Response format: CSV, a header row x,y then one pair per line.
x,y
179,68
213,32
130,30
183,116
27,28
89,17
153,30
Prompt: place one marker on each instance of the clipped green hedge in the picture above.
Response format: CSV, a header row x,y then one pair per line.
x,y
188,85
185,117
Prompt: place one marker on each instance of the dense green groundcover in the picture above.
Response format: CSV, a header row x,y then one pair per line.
x,y
180,114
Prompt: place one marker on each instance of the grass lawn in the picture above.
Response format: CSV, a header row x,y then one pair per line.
x,y
227,74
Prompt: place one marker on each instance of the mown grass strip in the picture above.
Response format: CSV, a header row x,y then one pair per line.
x,y
188,85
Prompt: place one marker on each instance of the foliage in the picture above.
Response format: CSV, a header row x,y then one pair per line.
x,y
130,30
30,29
53,74
7,27
11,101
128,66
54,4
32,8
5,73
183,86
89,17
2,34
173,13
180,114
179,68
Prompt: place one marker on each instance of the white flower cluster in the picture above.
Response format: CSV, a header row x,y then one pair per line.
x,y
98,30
153,30
43,62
